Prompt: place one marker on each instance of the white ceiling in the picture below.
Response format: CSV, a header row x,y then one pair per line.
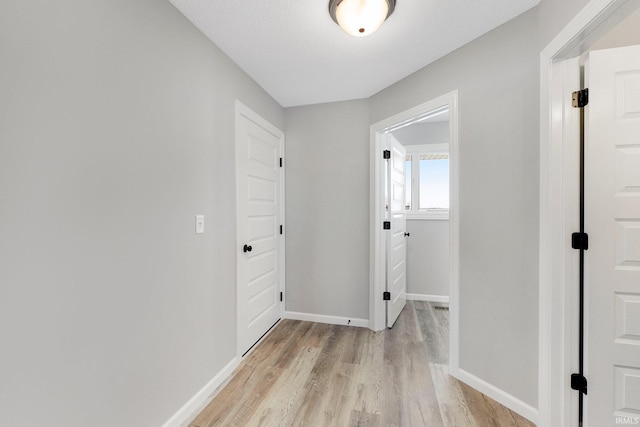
x,y
295,51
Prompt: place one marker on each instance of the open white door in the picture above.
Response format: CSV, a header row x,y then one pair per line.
x,y
612,218
258,146
396,244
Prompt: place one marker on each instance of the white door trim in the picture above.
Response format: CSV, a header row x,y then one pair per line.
x,y
243,110
557,205
377,249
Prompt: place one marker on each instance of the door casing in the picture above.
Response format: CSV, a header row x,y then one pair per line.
x,y
377,250
559,206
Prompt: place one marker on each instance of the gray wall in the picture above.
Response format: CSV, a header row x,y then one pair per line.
x,y
116,128
497,78
423,133
428,257
327,166
327,214
626,33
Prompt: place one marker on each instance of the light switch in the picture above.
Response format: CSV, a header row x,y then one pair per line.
x,y
199,224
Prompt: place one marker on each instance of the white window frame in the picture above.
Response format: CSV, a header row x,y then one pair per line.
x,y
415,212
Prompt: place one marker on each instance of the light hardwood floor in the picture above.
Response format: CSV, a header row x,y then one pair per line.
x,y
312,374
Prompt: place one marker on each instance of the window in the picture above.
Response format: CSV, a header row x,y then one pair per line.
x,y
427,183
407,183
434,181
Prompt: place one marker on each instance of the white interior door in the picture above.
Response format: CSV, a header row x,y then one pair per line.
x,y
258,146
612,220
396,243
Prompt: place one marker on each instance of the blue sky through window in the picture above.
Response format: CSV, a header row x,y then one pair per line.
x,y
434,184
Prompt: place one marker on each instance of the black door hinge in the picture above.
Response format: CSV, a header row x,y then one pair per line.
x,y
579,383
386,225
580,98
580,241
280,296
280,161
386,154
280,229
386,296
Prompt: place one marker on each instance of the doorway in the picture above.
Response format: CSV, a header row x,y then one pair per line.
x,y
380,141
426,142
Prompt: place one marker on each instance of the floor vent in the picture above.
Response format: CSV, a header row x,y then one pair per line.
x,y
441,308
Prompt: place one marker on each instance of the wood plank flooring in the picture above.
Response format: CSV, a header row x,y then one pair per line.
x,y
312,374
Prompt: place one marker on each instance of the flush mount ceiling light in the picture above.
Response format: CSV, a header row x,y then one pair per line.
x,y
360,17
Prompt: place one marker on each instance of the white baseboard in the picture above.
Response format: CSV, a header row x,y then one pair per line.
x,y
431,298
332,320
500,396
202,397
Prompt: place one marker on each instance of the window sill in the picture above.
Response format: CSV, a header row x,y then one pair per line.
x,y
429,215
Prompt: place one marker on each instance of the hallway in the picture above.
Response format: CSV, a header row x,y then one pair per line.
x,y
312,374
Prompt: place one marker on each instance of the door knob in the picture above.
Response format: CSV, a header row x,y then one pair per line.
x,y
247,248
407,234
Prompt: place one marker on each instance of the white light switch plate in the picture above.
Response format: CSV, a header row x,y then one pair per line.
x,y
199,224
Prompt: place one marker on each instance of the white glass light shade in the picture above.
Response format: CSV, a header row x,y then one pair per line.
x,y
361,17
